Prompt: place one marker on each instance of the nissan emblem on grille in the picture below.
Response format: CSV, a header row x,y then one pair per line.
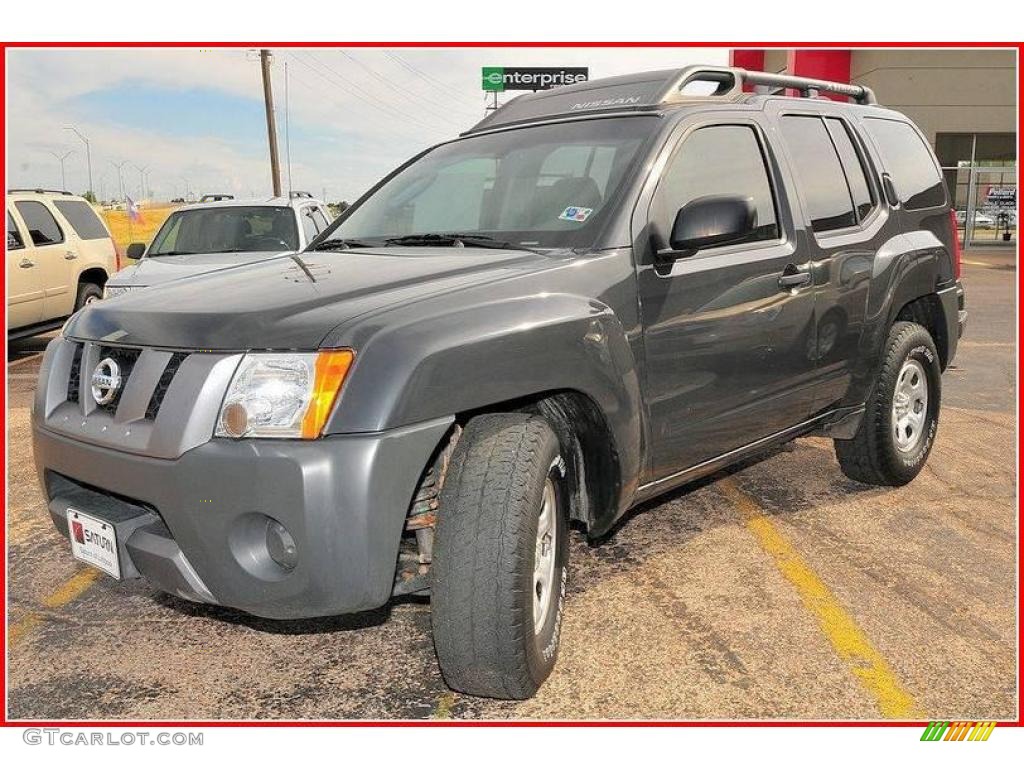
x,y
106,380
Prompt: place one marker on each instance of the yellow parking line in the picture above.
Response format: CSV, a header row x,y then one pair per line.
x,y
848,640
72,588
976,263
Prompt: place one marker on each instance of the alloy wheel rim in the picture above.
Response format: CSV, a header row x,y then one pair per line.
x,y
544,558
910,406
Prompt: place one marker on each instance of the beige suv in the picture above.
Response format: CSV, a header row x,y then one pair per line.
x,y
59,255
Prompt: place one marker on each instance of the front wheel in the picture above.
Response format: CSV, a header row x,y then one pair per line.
x,y
501,558
902,415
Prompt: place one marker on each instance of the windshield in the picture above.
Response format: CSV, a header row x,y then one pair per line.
x,y
548,186
224,229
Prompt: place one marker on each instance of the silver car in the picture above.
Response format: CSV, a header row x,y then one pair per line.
x,y
214,235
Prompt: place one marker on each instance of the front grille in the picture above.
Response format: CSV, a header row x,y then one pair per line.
x,y
125,358
76,375
164,383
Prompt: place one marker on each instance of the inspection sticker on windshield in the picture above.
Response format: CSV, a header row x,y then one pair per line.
x,y
575,213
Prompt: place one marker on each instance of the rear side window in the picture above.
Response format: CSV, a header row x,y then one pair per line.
x,y
14,240
819,173
319,218
717,160
42,227
82,218
909,161
853,164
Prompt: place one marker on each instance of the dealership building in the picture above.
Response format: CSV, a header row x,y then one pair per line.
x,y
965,102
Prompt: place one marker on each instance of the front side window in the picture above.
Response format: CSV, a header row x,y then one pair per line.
x,y
42,227
819,173
226,229
82,218
14,240
909,161
547,186
717,160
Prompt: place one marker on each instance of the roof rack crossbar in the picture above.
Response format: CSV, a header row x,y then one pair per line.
x,y
731,80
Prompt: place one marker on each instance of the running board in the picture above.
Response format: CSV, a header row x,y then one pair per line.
x,y
835,423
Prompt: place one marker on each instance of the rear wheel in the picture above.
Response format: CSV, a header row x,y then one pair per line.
x,y
902,415
501,558
87,294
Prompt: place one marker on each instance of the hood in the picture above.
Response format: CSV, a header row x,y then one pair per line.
x,y
290,302
153,270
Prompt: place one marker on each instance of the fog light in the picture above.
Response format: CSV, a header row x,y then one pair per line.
x,y
281,545
235,419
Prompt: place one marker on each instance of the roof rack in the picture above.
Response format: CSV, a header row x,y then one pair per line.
x,y
296,194
655,90
215,198
41,191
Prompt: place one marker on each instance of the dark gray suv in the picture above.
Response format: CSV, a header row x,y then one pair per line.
x,y
597,294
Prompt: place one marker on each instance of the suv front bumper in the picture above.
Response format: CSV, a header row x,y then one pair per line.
x,y
196,526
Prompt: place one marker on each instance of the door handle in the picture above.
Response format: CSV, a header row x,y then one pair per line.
x,y
69,255
26,263
793,277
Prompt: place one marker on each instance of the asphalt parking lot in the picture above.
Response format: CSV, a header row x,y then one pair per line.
x,y
777,590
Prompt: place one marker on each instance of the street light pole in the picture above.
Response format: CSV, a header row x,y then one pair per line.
x,y
88,155
61,159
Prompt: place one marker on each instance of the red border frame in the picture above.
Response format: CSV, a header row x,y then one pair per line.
x,y
4,722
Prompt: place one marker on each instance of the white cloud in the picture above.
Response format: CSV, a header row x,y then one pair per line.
x,y
365,110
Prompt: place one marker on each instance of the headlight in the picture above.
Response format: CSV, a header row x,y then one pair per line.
x,y
283,394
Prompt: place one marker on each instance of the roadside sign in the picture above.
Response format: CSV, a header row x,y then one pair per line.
x,y
497,79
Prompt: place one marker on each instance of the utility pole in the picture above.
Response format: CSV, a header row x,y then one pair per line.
x,y
88,155
268,99
287,132
61,159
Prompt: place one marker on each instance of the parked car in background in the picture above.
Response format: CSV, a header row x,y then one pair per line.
x,y
59,256
222,233
981,220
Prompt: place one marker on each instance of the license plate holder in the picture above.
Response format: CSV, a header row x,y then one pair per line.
x,y
94,541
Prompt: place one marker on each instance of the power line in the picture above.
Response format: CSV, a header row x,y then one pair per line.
x,y
402,90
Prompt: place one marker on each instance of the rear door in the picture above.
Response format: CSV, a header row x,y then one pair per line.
x,y
95,246
54,252
24,277
846,224
726,346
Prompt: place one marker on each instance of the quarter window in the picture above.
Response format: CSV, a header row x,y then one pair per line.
x,y
82,218
819,173
853,164
909,161
308,224
13,235
717,160
42,227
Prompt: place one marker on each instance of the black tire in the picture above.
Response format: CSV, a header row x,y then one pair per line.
x,y
482,592
873,456
87,292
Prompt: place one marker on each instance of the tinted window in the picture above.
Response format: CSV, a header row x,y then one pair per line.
x,y
82,218
309,225
719,160
909,162
224,229
549,186
853,164
821,178
13,235
42,227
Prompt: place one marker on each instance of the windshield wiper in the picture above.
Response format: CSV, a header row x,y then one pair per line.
x,y
458,240
173,253
339,244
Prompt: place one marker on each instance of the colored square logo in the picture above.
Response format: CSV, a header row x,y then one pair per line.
x,y
77,532
493,79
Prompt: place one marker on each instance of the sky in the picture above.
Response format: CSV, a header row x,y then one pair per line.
x,y
193,119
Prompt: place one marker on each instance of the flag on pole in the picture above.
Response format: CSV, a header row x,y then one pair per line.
x,y
134,213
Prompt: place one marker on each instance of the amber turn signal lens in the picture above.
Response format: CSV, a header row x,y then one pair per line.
x,y
329,374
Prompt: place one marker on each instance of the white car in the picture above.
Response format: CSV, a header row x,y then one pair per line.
x,y
214,235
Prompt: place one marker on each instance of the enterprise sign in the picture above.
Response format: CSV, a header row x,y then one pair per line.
x,y
497,79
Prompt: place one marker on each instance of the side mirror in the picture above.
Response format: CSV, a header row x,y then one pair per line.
x,y
135,251
709,221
